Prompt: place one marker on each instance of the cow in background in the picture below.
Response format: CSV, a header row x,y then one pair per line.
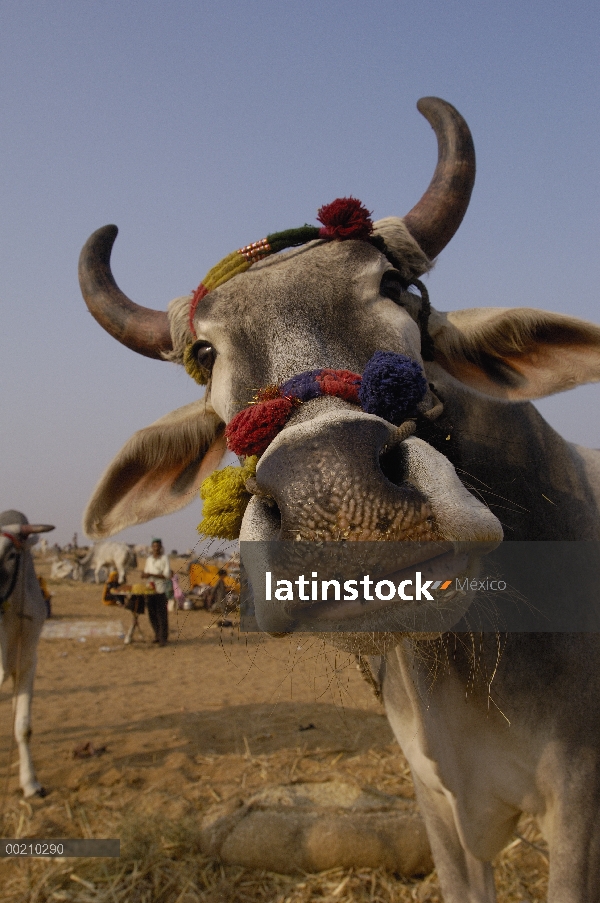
x,y
62,568
112,555
23,611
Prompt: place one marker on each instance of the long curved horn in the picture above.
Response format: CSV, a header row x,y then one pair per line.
x,y
139,328
434,220
28,529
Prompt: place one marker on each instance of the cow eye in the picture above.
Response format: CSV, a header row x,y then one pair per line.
x,y
392,286
205,355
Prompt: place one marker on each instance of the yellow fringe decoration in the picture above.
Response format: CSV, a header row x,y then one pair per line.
x,y
225,499
226,269
192,367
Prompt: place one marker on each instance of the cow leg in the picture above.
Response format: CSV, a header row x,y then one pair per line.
x,y
573,834
23,687
121,574
463,878
574,875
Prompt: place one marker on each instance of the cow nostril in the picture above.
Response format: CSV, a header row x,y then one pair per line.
x,y
270,517
392,458
393,463
267,510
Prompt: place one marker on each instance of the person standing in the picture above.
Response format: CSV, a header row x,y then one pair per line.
x,y
218,601
158,569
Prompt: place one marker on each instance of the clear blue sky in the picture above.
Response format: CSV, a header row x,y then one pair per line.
x,y
199,127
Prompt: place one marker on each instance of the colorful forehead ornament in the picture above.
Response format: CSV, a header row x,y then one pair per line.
x,y
343,219
391,387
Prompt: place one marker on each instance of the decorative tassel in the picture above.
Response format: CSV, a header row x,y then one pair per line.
x,y
345,218
392,386
225,499
252,430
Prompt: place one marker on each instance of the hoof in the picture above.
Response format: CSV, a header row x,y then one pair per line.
x,y
41,792
37,791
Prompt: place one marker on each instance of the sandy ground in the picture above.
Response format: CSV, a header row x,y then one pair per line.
x,y
213,714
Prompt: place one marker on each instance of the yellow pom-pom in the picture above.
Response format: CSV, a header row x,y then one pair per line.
x,y
225,498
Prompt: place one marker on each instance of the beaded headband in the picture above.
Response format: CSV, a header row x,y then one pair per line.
x,y
343,219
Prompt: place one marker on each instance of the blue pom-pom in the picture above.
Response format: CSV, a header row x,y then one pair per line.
x,y
392,386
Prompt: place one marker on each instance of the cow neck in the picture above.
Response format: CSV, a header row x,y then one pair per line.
x,y
528,475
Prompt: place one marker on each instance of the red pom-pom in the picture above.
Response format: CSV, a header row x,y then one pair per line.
x,y
253,429
341,383
345,218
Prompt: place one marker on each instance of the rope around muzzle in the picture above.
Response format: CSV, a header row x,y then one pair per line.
x,y
392,387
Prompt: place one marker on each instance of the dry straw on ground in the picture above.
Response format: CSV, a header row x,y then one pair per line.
x,y
164,865
161,859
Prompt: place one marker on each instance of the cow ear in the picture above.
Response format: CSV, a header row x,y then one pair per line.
x,y
157,471
516,353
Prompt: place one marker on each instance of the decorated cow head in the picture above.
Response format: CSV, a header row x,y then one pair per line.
x,y
338,386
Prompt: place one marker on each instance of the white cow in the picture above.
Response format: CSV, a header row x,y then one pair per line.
x,y
116,555
23,612
61,569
